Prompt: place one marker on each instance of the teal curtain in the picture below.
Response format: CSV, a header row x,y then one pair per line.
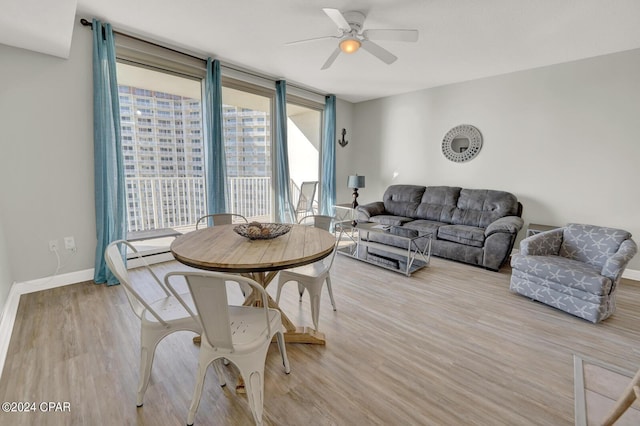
x,y
111,209
285,213
328,172
215,156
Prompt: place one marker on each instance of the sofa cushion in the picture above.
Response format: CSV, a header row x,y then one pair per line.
x,y
480,207
387,219
591,244
402,200
467,235
424,227
572,273
438,203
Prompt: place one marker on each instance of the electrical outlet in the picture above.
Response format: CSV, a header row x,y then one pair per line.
x,y
69,243
53,245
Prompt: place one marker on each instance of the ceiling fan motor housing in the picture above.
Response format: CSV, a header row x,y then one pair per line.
x,y
355,20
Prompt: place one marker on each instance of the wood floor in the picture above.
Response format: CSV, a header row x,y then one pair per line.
x,y
449,346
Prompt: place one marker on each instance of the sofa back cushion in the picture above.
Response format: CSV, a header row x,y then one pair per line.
x,y
480,207
438,203
402,200
591,244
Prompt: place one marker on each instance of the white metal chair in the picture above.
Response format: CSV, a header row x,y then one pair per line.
x,y
158,318
312,276
220,219
305,200
240,334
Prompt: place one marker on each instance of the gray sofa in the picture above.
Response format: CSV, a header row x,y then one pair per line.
x,y
475,226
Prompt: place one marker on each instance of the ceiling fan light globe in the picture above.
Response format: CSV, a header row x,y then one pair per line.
x,y
350,45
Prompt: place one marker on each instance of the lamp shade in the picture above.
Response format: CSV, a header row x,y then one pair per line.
x,y
355,182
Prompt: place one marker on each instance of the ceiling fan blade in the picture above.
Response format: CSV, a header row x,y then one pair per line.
x,y
391,35
331,59
379,52
309,40
337,17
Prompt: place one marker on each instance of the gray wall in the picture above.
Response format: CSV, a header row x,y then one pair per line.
x,y
562,138
6,279
46,166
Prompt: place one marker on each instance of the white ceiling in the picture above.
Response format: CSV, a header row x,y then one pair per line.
x,y
459,40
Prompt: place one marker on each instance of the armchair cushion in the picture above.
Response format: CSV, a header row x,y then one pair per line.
x,y
591,244
542,244
567,272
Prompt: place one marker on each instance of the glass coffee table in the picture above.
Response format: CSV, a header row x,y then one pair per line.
x,y
403,260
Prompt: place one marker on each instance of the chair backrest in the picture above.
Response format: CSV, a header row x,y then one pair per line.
x,y
114,257
318,221
335,248
307,194
591,244
220,219
209,292
326,223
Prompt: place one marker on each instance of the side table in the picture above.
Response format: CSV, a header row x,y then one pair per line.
x,y
345,213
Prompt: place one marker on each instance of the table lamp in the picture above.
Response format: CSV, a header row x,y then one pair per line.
x,y
355,182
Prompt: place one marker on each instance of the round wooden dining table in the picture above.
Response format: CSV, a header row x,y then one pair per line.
x,y
220,248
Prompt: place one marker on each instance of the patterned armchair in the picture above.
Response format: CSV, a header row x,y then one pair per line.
x,y
576,268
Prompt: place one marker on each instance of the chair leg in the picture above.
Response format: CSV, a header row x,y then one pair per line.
x,y
283,352
197,391
255,389
148,343
218,368
333,302
314,299
300,291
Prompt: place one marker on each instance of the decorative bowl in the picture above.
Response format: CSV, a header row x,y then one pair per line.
x,y
262,231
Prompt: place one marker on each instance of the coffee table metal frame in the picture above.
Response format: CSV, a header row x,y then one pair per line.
x,y
415,258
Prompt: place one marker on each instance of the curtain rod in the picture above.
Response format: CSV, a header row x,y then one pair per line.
x,y
87,23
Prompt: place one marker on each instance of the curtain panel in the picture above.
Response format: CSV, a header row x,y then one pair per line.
x,y
215,156
285,213
110,197
328,172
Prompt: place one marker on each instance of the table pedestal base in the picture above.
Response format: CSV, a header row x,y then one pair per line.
x,y
305,335
300,335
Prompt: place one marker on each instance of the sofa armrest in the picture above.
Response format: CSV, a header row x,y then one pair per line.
x,y
615,265
499,238
364,212
542,244
509,224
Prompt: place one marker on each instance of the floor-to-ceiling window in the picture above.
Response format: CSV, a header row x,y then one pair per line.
x,y
304,129
162,143
248,141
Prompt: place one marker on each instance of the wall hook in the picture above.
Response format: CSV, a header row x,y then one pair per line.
x,y
343,142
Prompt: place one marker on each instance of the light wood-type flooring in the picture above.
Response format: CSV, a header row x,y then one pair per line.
x,y
449,346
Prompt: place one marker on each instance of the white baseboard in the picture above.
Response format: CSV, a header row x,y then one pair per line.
x,y
631,274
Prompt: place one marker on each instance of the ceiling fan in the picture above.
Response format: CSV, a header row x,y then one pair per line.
x,y
352,37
